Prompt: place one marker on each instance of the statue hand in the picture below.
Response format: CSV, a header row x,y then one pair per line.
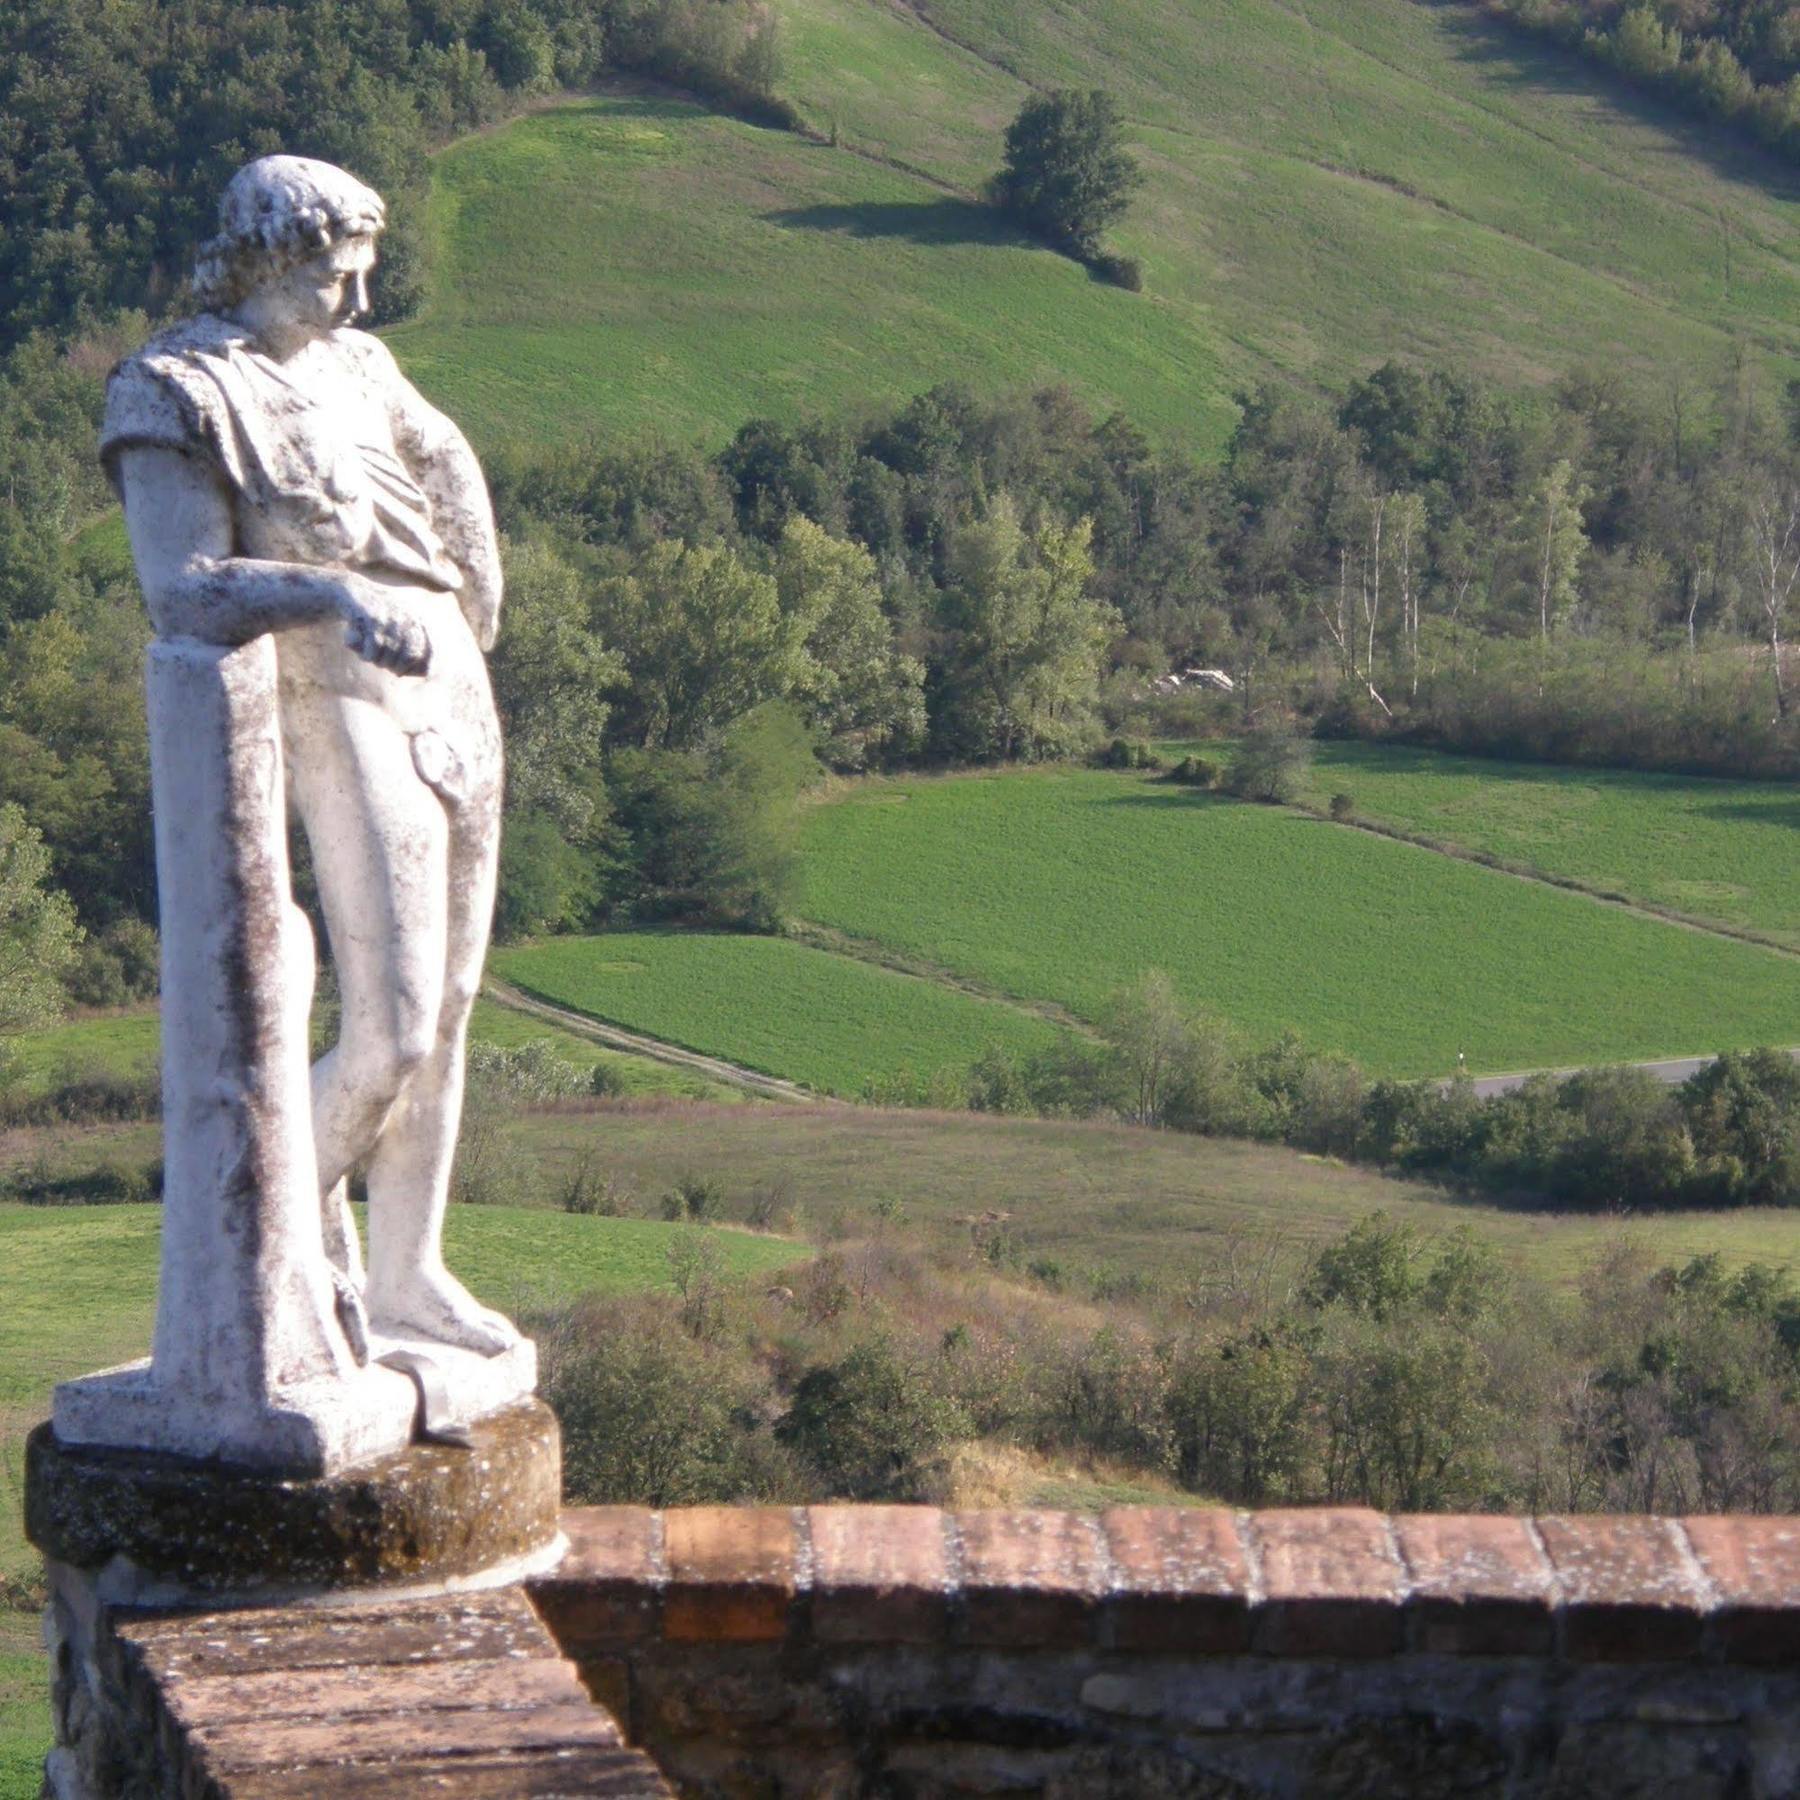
x,y
382,633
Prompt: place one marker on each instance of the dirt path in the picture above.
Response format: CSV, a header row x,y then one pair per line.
x,y
752,1081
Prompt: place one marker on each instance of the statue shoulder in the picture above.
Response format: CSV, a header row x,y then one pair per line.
x,y
368,355
165,394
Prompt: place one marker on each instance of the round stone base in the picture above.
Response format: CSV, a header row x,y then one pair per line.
x,y
430,1513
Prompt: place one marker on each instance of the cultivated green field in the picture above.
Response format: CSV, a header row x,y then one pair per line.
x,y
828,1021
1328,187
1724,851
1395,955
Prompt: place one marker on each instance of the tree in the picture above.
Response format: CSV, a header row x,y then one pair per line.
x,y
1067,175
38,933
1025,669
704,640
1558,541
858,692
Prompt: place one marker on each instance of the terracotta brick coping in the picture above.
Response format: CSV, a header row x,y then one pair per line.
x,y
1312,1582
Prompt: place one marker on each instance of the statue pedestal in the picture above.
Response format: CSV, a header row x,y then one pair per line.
x,y
141,1529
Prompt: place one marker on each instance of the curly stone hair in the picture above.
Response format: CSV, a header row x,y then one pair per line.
x,y
275,212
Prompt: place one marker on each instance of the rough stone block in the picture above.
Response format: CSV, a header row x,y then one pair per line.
x,y
1031,1578
1630,1589
1481,1586
1332,1583
881,1574
731,1573
1181,1580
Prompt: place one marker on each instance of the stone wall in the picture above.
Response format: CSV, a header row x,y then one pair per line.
x,y
903,1651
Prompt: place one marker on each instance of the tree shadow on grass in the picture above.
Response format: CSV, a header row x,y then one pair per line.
x,y
942,221
1754,812
1513,57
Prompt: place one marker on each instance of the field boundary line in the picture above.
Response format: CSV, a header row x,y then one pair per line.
x,y
832,942
1568,884
634,1043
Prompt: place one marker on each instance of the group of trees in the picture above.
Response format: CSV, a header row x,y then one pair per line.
x,y
1730,62
1603,1139
1587,572
120,120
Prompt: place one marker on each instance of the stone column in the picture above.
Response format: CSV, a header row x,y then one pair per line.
x,y
250,1364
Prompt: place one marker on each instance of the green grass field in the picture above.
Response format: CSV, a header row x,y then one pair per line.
x,y
668,274
1393,954
1328,187
828,1021
1723,851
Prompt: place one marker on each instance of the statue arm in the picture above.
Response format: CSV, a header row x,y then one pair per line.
x,y
441,462
179,519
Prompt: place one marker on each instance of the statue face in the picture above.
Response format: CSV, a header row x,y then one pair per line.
x,y
325,291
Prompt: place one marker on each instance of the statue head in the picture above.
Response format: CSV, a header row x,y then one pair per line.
x,y
295,233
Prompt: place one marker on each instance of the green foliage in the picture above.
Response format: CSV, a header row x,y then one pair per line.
x,y
711,836
861,696
871,1425
1025,678
1270,764
38,933
1067,175
547,883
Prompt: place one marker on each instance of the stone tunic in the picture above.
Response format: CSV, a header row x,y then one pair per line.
x,y
314,477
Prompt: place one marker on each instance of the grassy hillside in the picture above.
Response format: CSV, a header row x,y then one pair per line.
x,y
1328,187
1393,954
1724,851
770,1004
636,266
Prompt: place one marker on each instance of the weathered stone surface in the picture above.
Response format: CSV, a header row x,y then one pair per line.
x,y
608,1587
1332,1583
318,556
1630,1589
1181,1580
1480,1586
1030,1577
1754,1567
426,1513
881,1574
731,1573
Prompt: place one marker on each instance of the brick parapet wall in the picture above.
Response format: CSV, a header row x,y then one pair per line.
x,y
910,1651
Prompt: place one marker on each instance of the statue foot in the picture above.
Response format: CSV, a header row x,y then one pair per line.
x,y
440,1309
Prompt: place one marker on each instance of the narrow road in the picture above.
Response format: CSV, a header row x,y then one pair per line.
x,y
1674,1072
752,1081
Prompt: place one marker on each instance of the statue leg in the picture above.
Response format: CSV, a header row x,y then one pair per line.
x,y
410,1290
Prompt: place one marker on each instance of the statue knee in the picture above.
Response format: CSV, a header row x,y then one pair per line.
x,y
379,1062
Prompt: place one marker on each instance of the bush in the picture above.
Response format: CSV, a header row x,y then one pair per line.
x,y
1121,271
1195,771
1270,765
1128,753
871,1426
119,966
647,1413
590,1194
1343,807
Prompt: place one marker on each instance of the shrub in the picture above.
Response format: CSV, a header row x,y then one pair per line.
x,y
1195,771
1270,764
1121,271
872,1427
1343,807
646,1413
590,1194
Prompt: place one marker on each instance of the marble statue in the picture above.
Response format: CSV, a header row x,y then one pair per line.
x,y
317,552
